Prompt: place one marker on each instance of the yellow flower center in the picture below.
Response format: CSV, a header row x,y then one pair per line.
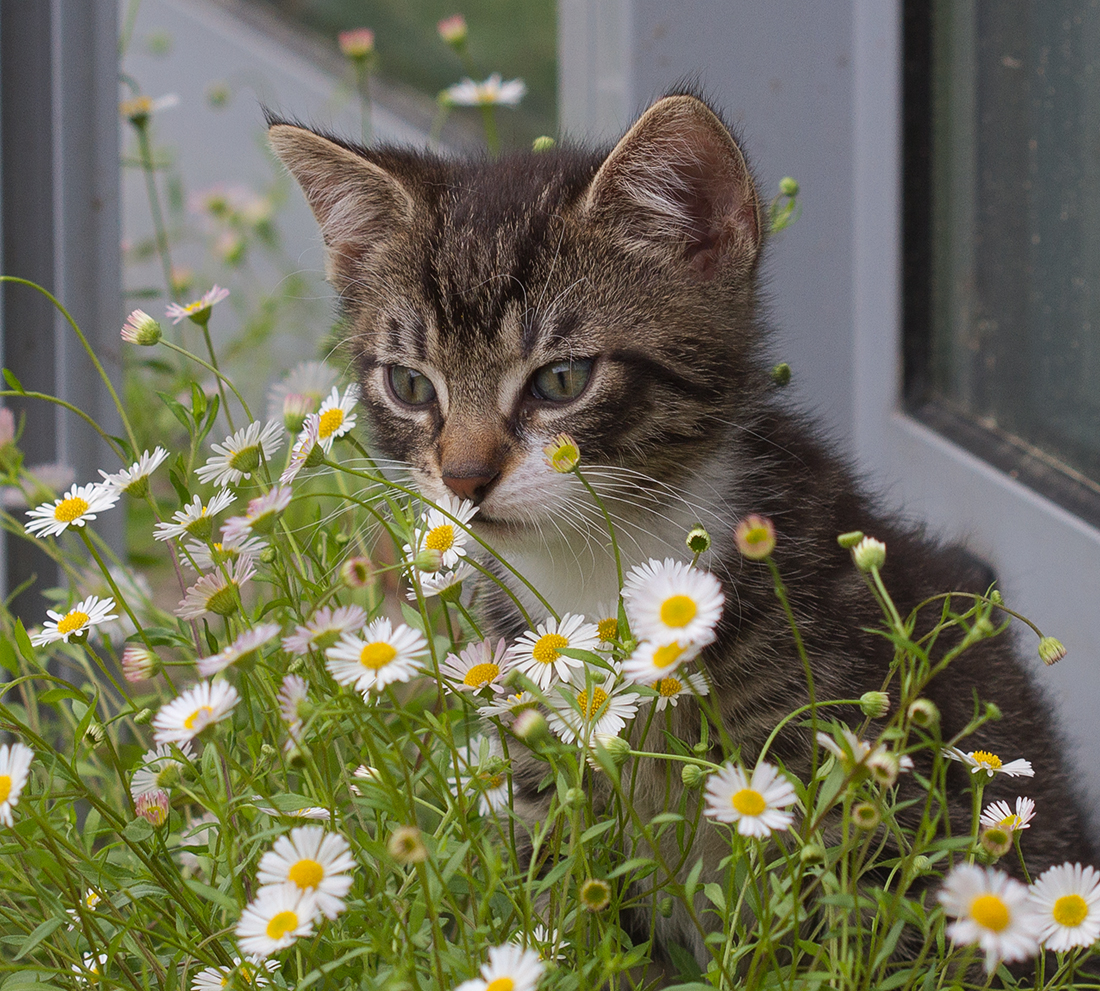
x,y
546,648
5,787
667,687
986,759
281,924
491,781
70,509
306,873
501,984
75,620
1070,910
748,802
990,912
667,655
481,674
203,711
377,655
440,538
331,421
608,629
678,610
1011,823
591,705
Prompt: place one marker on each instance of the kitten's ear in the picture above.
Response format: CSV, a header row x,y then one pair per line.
x,y
677,185
359,205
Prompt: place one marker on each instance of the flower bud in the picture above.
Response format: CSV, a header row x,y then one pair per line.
x,y
812,853
152,806
982,627
406,846
530,727
575,797
543,143
268,554
562,454
788,186
95,734
923,713
357,572
140,328
428,560
921,865
595,895
617,748
698,540
866,815
850,539
996,841
781,374
869,554
1051,650
453,30
143,716
664,906
356,44
692,775
755,537
993,712
139,663
296,407
874,704
996,598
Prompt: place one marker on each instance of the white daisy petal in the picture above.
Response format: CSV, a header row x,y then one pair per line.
x,y
757,806
672,601
980,761
1066,903
382,655
82,617
79,505
538,654
187,715
242,453
15,764
991,910
335,417
479,665
276,917
316,861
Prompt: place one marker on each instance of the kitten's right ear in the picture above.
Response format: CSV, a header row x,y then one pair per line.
x,y
359,205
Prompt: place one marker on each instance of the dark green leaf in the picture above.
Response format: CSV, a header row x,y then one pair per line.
x,y
57,694
178,410
13,382
198,402
23,642
41,931
137,830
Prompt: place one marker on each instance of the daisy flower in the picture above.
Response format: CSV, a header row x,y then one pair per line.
x,y
670,688
309,381
292,693
1001,816
983,760
307,450
139,663
79,505
92,964
242,453
438,532
324,628
381,656
195,519
492,91
90,900
315,861
198,311
244,645
140,328
253,973
991,910
579,711
1066,904
134,481
205,557
652,661
672,601
480,665
878,760
538,654
441,582
275,918
187,715
543,940
153,807
335,417
509,968
260,516
15,763
215,593
81,618
757,805
159,769
506,709
138,108
488,780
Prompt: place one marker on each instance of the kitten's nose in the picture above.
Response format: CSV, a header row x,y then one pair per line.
x,y
472,487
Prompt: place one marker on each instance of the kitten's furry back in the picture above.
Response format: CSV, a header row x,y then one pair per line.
x,y
493,304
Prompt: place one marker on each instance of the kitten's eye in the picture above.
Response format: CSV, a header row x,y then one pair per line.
x,y
561,381
410,386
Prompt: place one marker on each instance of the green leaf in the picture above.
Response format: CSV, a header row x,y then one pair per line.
x,y
13,382
598,830
57,694
211,416
160,636
643,865
888,945
198,402
23,642
715,895
213,894
177,475
137,830
895,980
179,411
8,661
41,931
211,639
693,879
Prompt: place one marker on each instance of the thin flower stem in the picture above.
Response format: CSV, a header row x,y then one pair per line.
x,y
489,123
160,230
119,597
210,368
610,525
221,379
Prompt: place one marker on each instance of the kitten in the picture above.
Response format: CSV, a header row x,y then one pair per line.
x,y
614,296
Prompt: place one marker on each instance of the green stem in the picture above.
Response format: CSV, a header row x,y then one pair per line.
x,y
160,231
489,122
211,368
221,379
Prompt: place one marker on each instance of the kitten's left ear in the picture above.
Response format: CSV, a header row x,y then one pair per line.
x,y
677,185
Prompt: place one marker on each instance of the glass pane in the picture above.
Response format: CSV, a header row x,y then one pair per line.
x,y
1016,222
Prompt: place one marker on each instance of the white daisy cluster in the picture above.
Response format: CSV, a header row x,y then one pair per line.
x,y
1010,921
305,875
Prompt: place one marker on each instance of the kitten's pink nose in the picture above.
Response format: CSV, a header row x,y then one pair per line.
x,y
472,487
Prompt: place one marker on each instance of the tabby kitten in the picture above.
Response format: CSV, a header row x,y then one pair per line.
x,y
491,305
